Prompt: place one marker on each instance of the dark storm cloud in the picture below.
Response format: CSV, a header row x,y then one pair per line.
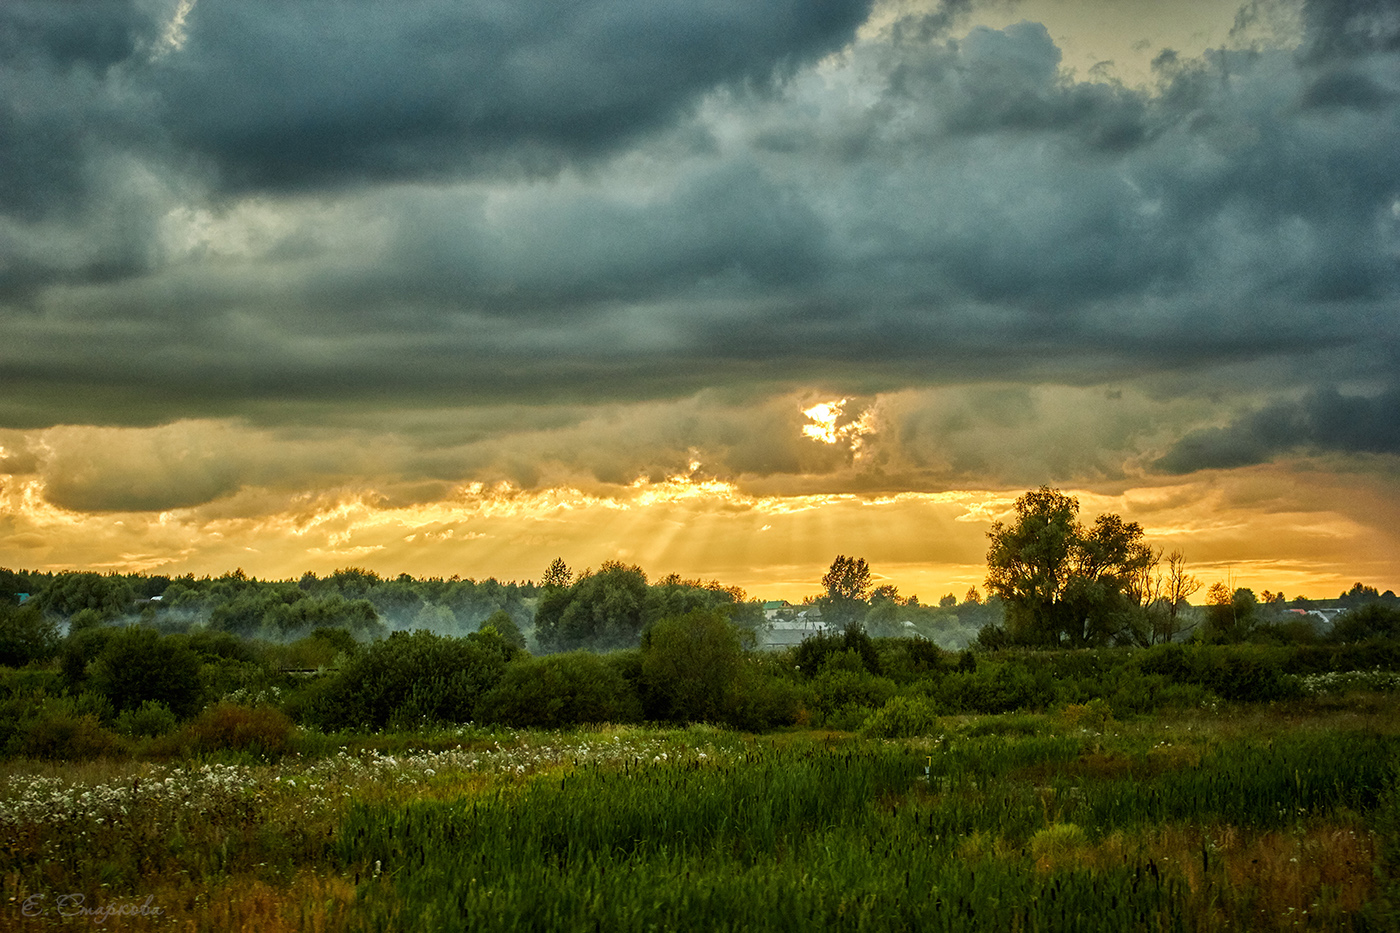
x,y
285,95
924,208
1325,421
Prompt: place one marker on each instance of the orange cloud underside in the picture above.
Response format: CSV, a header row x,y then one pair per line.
x,y
774,546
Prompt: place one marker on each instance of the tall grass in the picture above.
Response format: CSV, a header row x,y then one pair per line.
x,y
859,838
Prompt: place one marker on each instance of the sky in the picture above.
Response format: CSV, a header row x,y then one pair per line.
x,y
716,288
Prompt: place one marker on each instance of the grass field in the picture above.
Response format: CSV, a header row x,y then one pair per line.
x,y
1256,817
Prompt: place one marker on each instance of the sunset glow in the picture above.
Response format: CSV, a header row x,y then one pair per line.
x,y
725,290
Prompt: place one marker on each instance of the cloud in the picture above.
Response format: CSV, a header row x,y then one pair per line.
x,y
329,93
320,213
1325,421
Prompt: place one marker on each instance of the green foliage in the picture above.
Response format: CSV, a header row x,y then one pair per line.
x,y
68,593
151,718
903,717
602,610
60,736
505,626
846,692
690,667
560,690
766,696
1371,621
994,687
137,664
1063,583
848,584
25,635
408,679
811,655
263,731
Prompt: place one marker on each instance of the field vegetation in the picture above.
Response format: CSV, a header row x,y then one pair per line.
x,y
1279,816
601,751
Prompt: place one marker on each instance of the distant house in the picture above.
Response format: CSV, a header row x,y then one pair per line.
x,y
776,607
792,628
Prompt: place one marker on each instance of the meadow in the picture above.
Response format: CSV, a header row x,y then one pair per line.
x,y
1251,816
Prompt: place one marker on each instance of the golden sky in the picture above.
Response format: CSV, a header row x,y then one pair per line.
x,y
717,289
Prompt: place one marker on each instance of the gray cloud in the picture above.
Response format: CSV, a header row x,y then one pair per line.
x,y
454,205
1324,421
283,96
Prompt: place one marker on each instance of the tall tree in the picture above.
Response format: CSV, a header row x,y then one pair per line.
x,y
1064,584
557,574
1176,589
848,585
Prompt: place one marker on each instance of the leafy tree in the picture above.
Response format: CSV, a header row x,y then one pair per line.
x,y
690,665
68,593
137,664
1062,583
502,623
407,679
602,610
1231,615
25,635
557,575
848,584
560,690
1372,620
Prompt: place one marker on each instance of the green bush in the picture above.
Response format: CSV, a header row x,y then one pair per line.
x,y
811,655
846,692
997,687
409,679
25,635
690,667
766,698
66,729
80,649
257,730
903,717
560,690
138,664
1245,675
151,718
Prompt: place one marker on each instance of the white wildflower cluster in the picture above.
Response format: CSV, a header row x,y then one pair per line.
x,y
1335,682
154,794
254,696
157,798
520,758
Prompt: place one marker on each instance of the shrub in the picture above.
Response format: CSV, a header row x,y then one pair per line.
x,y
80,649
151,719
901,718
690,666
846,692
409,679
258,730
25,635
506,626
59,734
1245,675
1369,621
560,690
763,699
811,655
138,664
997,688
